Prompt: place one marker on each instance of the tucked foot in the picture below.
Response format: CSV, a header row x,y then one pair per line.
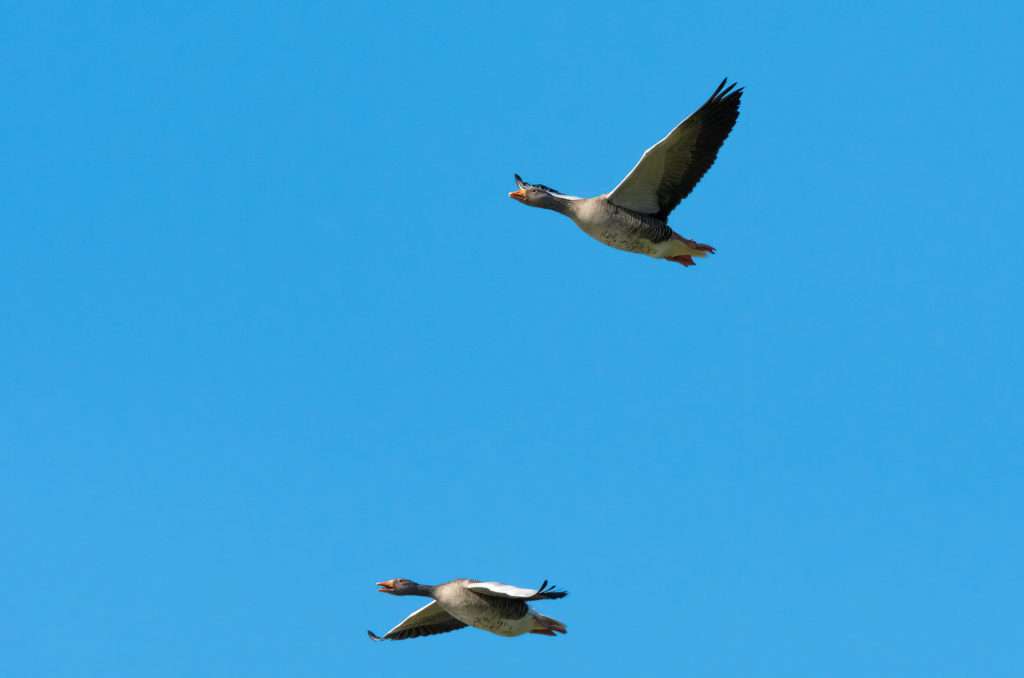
x,y
699,246
684,259
546,626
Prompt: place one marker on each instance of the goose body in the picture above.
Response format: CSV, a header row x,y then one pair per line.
x,y
491,606
633,217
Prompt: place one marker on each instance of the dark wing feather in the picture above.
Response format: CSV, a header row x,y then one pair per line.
x,y
442,627
426,621
548,593
524,184
669,170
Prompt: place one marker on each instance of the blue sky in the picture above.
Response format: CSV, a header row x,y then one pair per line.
x,y
272,332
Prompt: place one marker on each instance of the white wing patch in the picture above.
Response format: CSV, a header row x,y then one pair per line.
x,y
494,588
431,613
639,190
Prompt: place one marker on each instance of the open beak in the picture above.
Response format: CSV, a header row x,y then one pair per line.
x,y
386,586
519,195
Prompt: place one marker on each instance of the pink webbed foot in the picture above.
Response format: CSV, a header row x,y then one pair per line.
x,y
684,259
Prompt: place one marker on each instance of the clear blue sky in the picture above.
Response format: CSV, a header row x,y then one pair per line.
x,y
272,331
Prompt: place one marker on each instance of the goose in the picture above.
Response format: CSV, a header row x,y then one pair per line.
x,y
488,605
632,217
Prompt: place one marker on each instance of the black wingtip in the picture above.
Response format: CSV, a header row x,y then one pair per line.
x,y
549,592
730,91
372,635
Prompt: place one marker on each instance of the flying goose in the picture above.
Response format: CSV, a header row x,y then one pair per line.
x,y
632,217
488,605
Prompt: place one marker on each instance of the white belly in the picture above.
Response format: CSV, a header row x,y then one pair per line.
x,y
484,617
502,627
601,225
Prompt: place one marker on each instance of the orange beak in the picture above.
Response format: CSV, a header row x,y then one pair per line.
x,y
386,586
519,195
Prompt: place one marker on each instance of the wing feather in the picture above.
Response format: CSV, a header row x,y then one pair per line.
x,y
426,621
499,590
671,168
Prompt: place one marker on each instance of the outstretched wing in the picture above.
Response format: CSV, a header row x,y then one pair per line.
x,y
426,621
499,590
670,169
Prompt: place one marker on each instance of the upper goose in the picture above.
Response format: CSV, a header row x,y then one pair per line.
x,y
491,606
632,217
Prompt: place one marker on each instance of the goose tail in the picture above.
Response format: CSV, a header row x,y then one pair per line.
x,y
546,626
682,250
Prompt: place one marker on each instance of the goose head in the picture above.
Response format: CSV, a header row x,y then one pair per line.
x,y
539,195
403,587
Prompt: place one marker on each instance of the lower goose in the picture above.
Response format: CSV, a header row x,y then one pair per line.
x,y
491,606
